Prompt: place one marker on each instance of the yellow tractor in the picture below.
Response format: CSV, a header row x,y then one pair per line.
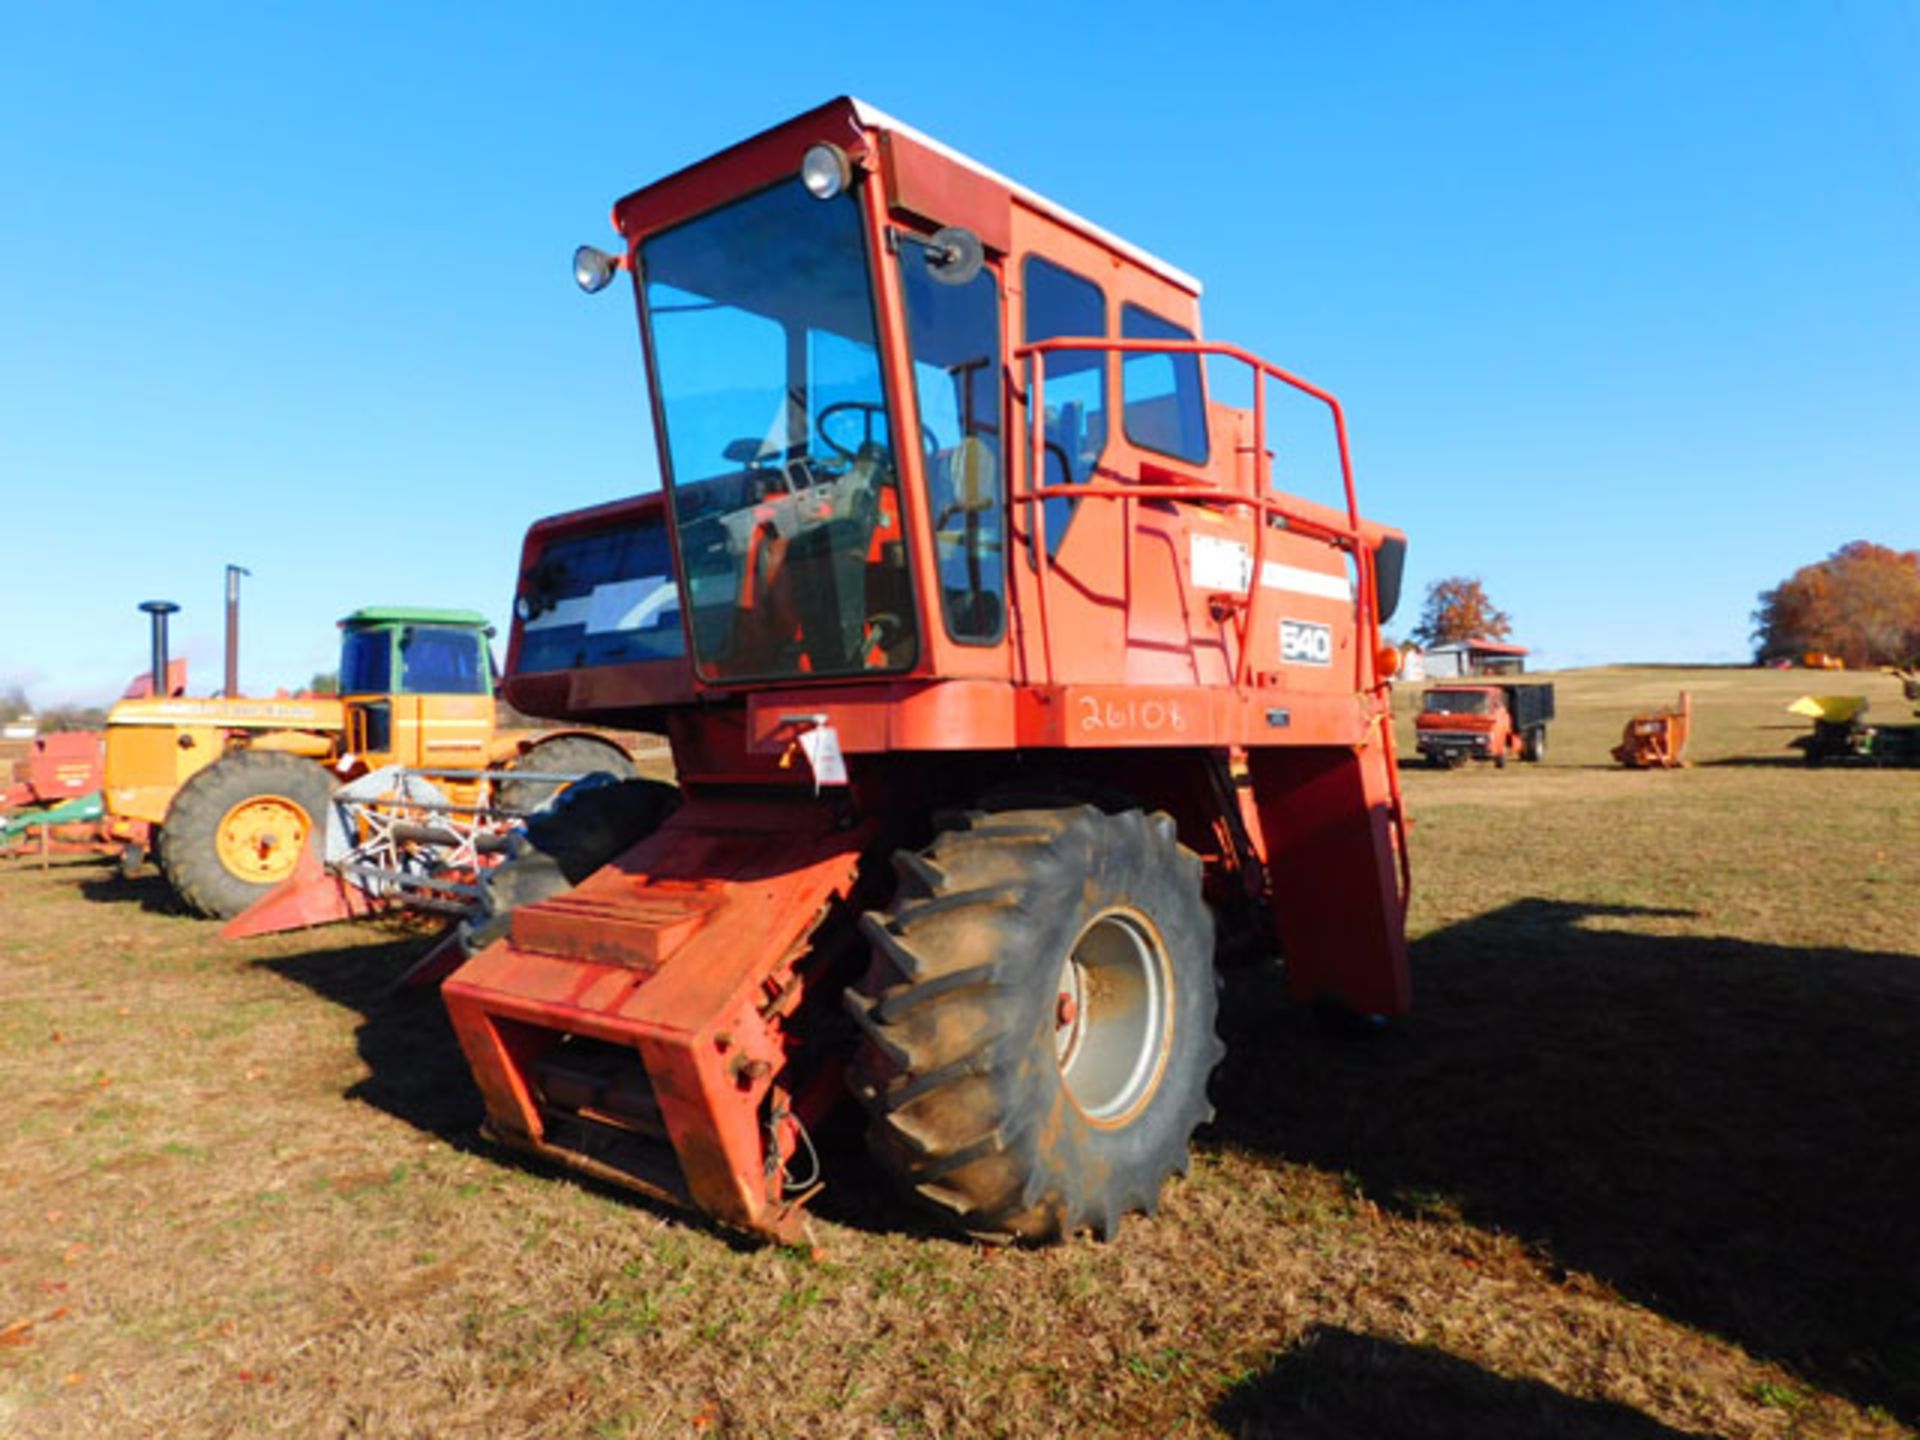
x,y
227,792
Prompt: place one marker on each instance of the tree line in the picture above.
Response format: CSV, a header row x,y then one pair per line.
x,y
1861,604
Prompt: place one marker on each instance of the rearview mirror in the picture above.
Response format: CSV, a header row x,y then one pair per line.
x,y
954,255
1389,562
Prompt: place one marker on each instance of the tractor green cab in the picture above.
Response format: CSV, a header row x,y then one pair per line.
x,y
411,650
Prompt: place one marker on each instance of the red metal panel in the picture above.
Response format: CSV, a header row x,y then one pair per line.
x,y
685,949
928,186
311,895
1329,821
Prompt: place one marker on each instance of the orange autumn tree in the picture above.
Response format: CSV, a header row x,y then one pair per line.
x,y
1861,603
1457,609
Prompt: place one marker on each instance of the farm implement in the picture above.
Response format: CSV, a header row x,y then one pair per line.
x,y
1842,735
229,792
395,842
1005,686
1657,741
51,802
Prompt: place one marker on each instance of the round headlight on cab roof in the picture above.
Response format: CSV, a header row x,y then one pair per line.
x,y
593,270
825,171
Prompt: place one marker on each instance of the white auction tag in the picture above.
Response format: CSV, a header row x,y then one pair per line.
x,y
821,745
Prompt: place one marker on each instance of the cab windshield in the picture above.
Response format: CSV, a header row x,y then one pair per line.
x,y
1458,702
780,456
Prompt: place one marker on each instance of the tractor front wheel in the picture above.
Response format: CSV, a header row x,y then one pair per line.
x,y
237,828
1039,1020
559,755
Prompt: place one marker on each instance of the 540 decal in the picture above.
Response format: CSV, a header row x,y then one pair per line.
x,y
1305,642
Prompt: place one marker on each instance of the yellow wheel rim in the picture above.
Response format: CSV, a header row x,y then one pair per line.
x,y
261,838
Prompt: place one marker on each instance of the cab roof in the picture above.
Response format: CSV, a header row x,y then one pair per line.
x,y
411,615
871,117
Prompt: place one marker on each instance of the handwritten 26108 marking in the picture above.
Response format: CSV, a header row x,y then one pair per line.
x,y
1153,716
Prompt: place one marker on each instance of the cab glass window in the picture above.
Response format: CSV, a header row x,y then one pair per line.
x,y
1060,303
439,660
1163,405
366,662
772,401
603,598
954,331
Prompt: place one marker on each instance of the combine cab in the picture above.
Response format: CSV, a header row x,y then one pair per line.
x,y
1006,690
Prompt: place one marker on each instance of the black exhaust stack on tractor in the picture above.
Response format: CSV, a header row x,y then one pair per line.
x,y
159,610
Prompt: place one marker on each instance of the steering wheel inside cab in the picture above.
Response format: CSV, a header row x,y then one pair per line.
x,y
869,411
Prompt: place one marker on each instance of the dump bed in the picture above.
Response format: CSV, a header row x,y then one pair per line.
x,y
1529,705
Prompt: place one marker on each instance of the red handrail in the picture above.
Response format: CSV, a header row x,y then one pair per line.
x,y
1261,499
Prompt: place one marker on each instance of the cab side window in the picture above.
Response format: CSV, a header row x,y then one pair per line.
x,y
955,334
1060,303
1163,405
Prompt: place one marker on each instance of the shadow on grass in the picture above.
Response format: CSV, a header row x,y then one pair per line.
x,y
1725,1132
151,893
1336,1385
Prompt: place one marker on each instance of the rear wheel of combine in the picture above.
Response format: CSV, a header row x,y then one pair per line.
x,y
560,755
1533,748
237,828
1039,1020
589,825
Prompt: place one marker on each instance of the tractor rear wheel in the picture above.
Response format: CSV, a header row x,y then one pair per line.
x,y
237,828
560,755
1039,1020
587,826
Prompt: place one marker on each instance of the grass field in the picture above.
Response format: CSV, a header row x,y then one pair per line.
x,y
1643,1163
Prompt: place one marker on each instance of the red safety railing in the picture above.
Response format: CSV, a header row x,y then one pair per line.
x,y
1257,495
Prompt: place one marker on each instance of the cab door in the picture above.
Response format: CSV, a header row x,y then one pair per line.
x,y
444,707
366,692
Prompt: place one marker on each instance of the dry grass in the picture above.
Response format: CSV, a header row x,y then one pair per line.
x,y
1642,1164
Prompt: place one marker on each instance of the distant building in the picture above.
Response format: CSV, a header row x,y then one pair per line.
x,y
1474,657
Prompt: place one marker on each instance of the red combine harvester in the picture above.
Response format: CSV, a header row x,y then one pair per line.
x,y
1005,689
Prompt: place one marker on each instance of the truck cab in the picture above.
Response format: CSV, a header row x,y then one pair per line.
x,y
1483,721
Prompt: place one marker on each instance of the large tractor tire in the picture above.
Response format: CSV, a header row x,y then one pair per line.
x,y
591,823
237,828
1039,1020
560,755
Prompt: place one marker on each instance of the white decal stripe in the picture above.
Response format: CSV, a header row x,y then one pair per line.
x,y
567,612
1276,576
1220,564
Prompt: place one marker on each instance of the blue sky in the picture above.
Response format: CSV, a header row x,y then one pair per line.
x,y
1623,300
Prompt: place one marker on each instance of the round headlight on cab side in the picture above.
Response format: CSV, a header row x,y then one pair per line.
x,y
825,171
593,270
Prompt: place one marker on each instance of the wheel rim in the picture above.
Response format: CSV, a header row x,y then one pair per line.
x,y
260,839
1113,1017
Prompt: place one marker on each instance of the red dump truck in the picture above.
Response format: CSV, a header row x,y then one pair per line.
x,y
1483,721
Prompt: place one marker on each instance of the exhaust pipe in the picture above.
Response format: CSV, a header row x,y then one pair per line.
x,y
159,610
232,688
